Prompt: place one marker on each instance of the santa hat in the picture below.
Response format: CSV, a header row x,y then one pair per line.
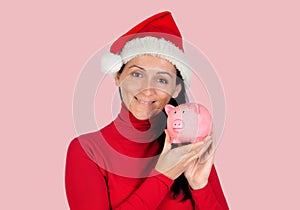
x,y
159,36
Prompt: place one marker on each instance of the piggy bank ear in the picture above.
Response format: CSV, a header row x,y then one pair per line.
x,y
198,108
168,108
195,107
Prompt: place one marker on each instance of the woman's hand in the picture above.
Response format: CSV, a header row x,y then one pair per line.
x,y
172,163
198,171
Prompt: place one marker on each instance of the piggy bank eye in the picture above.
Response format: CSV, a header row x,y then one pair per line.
x,y
174,112
183,111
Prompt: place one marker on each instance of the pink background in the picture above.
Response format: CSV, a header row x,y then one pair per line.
x,y
253,45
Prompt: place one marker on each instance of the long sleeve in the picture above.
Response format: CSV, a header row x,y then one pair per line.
x,y
86,185
149,195
211,196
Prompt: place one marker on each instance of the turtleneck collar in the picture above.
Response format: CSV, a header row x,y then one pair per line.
x,y
142,131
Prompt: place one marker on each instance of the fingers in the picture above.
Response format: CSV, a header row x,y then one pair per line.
x,y
182,156
188,151
167,144
207,144
208,137
197,149
192,155
207,152
173,162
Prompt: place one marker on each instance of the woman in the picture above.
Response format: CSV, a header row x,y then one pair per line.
x,y
129,164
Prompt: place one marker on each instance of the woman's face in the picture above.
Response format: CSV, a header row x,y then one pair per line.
x,y
147,84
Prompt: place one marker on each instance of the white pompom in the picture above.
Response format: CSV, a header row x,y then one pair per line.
x,y
111,63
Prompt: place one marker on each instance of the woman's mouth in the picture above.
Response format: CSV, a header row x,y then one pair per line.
x,y
144,102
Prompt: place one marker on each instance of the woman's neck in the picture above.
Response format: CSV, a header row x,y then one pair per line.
x,y
139,130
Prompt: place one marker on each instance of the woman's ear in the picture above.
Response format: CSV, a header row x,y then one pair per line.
x,y
117,79
177,91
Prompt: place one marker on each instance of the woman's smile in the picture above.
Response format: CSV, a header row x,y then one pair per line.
x,y
144,102
147,84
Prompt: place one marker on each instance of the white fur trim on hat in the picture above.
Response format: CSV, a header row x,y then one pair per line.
x,y
151,46
111,63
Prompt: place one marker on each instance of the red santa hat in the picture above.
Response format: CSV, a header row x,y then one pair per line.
x,y
159,36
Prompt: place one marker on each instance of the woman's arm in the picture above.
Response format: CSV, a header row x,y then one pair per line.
x,y
85,183
203,179
211,196
87,190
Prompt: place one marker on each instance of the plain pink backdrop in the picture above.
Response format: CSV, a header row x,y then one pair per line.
x,y
254,46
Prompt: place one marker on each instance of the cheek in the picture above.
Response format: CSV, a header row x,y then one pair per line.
x,y
169,90
164,97
129,88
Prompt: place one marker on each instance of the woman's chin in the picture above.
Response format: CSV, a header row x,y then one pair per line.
x,y
142,115
146,115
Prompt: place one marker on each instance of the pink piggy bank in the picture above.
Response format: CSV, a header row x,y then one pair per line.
x,y
188,123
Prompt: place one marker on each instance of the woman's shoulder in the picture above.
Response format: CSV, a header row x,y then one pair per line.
x,y
87,145
90,137
83,142
94,145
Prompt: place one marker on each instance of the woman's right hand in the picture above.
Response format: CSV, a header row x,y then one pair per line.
x,y
172,163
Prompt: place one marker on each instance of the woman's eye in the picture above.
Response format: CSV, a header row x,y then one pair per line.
x,y
136,74
163,81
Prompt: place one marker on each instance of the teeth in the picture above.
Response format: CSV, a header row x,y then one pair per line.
x,y
145,102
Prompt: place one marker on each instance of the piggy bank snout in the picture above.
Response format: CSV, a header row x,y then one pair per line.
x,y
178,124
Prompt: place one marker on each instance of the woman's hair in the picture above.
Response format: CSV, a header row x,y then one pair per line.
x,y
181,183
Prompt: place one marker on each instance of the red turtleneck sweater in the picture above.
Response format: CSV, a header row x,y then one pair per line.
x,y
113,169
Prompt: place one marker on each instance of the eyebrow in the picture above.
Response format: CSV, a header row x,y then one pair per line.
x,y
135,66
164,72
160,72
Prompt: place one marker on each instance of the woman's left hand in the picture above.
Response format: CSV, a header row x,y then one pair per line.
x,y
198,171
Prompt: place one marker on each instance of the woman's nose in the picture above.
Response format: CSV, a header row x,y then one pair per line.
x,y
148,91
148,88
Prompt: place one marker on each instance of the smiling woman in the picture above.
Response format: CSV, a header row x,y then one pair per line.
x,y
129,164
147,84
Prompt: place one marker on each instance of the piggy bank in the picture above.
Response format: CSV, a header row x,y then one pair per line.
x,y
187,123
